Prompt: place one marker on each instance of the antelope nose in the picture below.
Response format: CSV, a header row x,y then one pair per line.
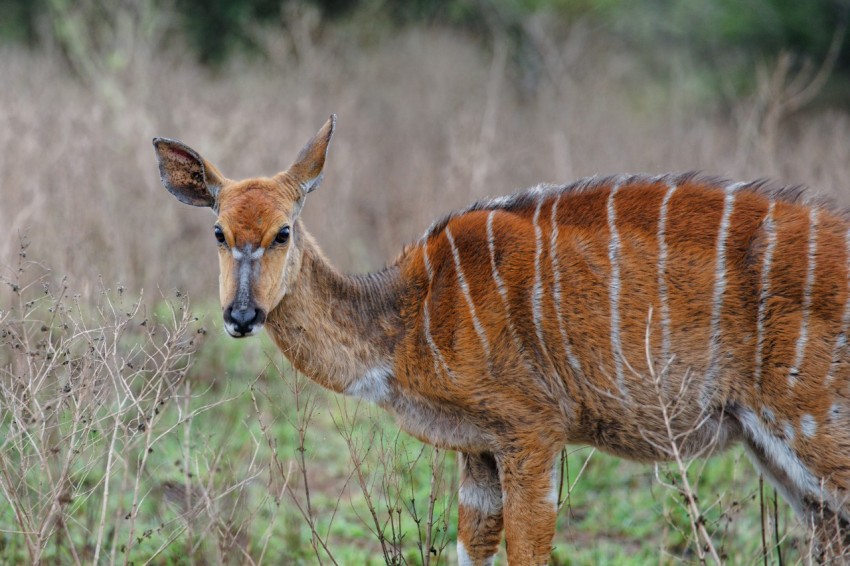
x,y
242,321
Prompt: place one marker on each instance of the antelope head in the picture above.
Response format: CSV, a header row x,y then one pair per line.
x,y
259,249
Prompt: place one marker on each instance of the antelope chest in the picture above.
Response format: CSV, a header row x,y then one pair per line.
x,y
433,422
441,426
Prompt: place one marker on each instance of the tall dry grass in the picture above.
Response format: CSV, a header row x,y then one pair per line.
x,y
84,389
427,122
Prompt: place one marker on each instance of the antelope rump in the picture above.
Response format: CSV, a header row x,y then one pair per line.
x,y
629,313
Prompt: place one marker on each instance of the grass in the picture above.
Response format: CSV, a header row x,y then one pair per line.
x,y
175,444
152,437
115,451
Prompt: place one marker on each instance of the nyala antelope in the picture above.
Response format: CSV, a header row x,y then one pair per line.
x,y
523,323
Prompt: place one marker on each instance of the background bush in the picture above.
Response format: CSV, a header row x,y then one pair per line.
x,y
722,35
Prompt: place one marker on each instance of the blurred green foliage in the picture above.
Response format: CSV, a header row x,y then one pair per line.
x,y
18,19
723,34
726,32
218,27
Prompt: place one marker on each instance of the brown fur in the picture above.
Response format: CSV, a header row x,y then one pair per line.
x,y
505,349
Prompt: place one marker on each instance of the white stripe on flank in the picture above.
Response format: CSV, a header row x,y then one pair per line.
x,y
841,339
811,266
485,344
439,360
779,455
764,295
537,293
662,276
719,292
491,244
614,288
427,261
556,289
835,412
500,284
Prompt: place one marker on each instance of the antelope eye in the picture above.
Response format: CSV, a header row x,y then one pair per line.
x,y
219,234
282,236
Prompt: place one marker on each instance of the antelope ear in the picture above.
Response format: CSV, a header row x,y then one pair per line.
x,y
187,175
307,168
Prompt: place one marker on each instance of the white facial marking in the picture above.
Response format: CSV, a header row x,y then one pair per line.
x,y
247,251
373,386
719,292
764,294
662,276
479,329
811,266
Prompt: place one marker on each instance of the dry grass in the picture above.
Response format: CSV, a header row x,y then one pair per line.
x,y
84,388
428,122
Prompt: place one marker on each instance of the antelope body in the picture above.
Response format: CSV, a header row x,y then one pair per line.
x,y
523,323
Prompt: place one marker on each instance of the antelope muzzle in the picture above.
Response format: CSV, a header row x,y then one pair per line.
x,y
243,320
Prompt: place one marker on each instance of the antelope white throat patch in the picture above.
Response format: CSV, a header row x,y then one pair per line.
x,y
372,386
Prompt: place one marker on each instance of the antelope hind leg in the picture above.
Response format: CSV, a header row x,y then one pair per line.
x,y
480,518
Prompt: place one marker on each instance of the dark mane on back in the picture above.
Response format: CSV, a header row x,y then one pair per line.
x,y
525,199
522,199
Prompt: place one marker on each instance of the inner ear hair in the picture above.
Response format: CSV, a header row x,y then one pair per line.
x,y
186,174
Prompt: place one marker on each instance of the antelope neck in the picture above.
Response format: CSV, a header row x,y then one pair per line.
x,y
335,327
